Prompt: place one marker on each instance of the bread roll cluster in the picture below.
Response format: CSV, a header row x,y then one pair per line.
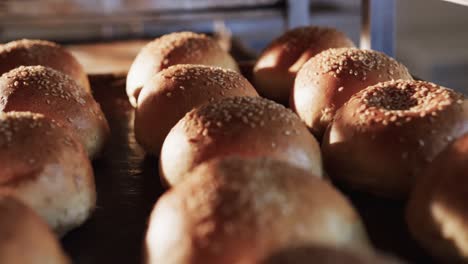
x,y
245,173
50,128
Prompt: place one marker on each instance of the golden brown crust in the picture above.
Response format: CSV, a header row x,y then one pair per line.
x,y
235,210
307,254
172,49
173,92
437,214
387,133
46,168
44,90
25,238
244,126
276,68
30,52
329,79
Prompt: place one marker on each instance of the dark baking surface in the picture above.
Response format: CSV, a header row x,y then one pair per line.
x,y
128,186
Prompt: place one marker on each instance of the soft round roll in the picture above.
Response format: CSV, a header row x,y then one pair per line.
x,y
243,126
387,133
44,90
45,167
28,52
172,49
25,238
326,255
173,92
239,211
437,213
329,79
276,68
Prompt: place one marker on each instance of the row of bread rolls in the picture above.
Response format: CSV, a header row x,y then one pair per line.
x,y
50,128
382,132
245,173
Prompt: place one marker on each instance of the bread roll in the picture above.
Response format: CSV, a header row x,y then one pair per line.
x,y
326,255
244,126
44,90
276,68
387,133
172,49
25,238
29,52
240,211
46,168
329,79
173,92
437,213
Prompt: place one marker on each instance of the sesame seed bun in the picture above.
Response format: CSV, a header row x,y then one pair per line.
x,y
44,90
244,126
329,79
173,92
326,255
29,52
234,210
46,168
21,230
172,49
437,213
387,133
276,68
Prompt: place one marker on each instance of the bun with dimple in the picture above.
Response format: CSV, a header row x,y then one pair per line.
x,y
329,79
46,168
384,135
173,92
437,213
234,210
172,49
28,52
276,68
25,238
243,126
44,90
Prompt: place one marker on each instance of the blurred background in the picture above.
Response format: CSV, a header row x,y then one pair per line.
x,y
429,36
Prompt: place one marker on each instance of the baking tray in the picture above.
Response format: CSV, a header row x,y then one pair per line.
x,y
128,185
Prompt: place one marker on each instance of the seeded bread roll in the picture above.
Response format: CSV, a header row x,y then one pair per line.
x,y
25,238
243,126
240,211
29,52
437,213
173,92
326,255
329,79
172,49
44,90
387,133
276,68
46,168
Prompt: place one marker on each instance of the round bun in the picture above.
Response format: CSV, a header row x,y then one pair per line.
x,y
46,168
387,133
329,79
25,238
27,52
326,255
44,90
276,68
173,92
244,126
437,213
172,49
240,211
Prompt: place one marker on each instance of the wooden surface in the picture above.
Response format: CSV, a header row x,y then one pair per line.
x,y
128,186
